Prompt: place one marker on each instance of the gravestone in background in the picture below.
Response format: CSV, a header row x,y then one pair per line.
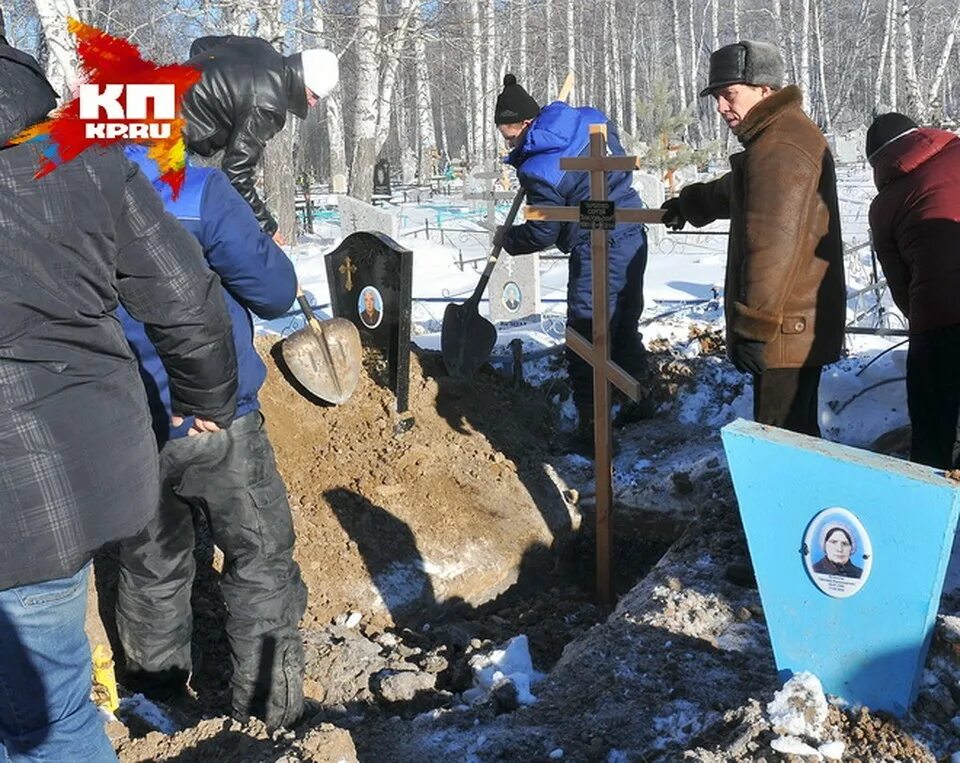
x,y
408,167
850,148
514,288
356,216
850,550
370,278
652,192
381,179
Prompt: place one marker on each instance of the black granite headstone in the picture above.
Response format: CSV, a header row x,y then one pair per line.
x,y
381,179
371,282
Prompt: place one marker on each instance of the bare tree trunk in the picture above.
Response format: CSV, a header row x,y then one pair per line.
x,y
915,101
894,72
695,45
881,67
607,103
490,89
476,90
279,177
824,100
390,50
805,54
365,105
736,20
933,94
333,109
441,108
777,10
571,32
714,44
678,55
551,47
523,22
853,71
615,69
426,134
632,95
61,60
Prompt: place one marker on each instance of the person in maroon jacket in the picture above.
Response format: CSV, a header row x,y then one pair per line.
x,y
915,221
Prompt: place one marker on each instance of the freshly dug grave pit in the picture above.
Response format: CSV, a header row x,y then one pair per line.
x,y
391,524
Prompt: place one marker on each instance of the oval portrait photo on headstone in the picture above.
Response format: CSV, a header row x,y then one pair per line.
x,y
837,552
511,296
370,307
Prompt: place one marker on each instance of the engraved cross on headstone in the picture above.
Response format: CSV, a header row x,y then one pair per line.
x,y
600,216
347,269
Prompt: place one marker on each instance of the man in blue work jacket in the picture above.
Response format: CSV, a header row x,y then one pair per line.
x,y
539,139
229,475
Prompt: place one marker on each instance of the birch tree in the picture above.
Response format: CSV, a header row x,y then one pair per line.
x,y
59,49
825,121
490,81
884,49
933,94
678,55
915,100
279,179
365,101
805,53
476,91
571,34
426,133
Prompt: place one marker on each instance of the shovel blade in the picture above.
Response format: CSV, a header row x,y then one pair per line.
x,y
466,340
332,380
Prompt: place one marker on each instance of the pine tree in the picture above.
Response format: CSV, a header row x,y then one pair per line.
x,y
666,124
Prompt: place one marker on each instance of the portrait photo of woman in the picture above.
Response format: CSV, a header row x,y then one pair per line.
x,y
838,546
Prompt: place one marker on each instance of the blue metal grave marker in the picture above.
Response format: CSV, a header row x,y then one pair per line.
x,y
850,550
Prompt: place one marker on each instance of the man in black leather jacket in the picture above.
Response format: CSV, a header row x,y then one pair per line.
x,y
242,100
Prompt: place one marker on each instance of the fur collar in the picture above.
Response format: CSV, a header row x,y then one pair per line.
x,y
765,112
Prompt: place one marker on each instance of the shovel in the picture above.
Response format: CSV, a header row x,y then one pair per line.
x,y
324,356
467,338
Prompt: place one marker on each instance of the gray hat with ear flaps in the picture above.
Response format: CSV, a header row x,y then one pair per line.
x,y
747,62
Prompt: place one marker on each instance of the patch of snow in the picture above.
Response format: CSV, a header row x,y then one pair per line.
x,y
799,708
832,750
556,754
149,713
512,663
678,723
741,637
794,746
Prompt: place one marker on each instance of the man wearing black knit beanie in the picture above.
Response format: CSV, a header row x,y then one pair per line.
x,y
539,139
915,227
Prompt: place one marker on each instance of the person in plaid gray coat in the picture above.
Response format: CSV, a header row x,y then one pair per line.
x,y
78,459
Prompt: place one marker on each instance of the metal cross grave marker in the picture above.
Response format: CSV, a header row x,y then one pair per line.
x,y
600,216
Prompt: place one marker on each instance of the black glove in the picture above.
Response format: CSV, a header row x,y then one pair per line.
x,y
672,216
747,356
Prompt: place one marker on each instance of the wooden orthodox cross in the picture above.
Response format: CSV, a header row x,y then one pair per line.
x,y
600,216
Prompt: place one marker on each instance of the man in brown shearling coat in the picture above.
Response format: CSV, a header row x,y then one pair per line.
x,y
784,292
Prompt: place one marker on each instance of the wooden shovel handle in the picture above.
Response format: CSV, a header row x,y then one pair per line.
x,y
307,310
511,215
495,254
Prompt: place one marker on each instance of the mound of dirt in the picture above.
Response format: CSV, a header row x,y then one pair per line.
x,y
390,522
